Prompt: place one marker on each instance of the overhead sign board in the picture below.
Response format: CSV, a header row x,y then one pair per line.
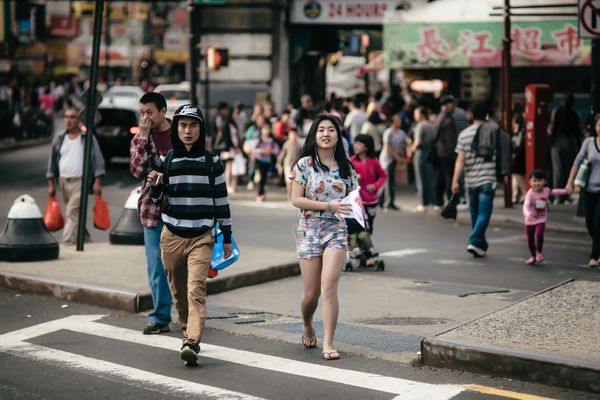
x,y
589,19
332,12
479,44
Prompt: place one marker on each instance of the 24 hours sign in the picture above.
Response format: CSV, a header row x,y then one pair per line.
x,y
365,12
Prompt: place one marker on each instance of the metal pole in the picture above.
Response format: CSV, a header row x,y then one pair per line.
x,y
107,42
506,96
89,123
595,92
194,21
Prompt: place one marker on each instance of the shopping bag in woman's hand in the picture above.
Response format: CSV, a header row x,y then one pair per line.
x,y
101,215
53,218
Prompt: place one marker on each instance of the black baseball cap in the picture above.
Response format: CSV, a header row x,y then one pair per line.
x,y
189,111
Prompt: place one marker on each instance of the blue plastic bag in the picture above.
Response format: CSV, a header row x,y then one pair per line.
x,y
218,262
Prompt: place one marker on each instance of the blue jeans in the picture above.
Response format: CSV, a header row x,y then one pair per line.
x,y
157,279
481,203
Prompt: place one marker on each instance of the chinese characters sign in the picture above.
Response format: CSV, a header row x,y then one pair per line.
x,y
478,44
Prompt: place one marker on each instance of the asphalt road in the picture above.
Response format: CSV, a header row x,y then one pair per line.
x,y
54,349
412,247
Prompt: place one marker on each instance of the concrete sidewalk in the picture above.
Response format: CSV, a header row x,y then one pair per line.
x,y
121,281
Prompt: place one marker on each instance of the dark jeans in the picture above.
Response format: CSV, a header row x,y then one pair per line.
x,y
592,221
387,197
535,238
443,183
481,203
263,168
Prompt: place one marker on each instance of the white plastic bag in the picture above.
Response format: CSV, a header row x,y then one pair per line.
x,y
238,168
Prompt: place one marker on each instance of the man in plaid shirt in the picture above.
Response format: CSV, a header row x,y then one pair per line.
x,y
152,141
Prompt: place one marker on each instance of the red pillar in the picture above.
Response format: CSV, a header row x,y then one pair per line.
x,y
537,117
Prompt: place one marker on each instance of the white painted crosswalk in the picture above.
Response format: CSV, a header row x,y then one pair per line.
x,y
15,343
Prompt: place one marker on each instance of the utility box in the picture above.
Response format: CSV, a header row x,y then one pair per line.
x,y
537,117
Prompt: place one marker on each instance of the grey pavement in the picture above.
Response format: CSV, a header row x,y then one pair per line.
x,y
556,327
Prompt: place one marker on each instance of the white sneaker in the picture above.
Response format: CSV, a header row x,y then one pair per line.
x,y
476,251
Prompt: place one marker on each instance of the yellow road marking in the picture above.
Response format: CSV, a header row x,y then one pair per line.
x,y
504,393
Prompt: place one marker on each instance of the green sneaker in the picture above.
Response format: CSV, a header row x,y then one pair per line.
x,y
189,354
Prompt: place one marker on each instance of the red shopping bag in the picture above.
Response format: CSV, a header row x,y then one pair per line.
x,y
212,273
53,218
101,215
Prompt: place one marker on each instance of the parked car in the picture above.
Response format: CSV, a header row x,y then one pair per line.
x,y
115,129
122,96
176,94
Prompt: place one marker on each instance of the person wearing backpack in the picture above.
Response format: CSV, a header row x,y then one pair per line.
x,y
191,186
479,164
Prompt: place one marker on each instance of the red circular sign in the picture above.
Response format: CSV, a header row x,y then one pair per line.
x,y
589,7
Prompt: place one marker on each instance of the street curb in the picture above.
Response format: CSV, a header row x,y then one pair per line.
x,y
72,291
129,301
8,146
506,222
528,366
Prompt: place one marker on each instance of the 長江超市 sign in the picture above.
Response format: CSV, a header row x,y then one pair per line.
x,y
479,44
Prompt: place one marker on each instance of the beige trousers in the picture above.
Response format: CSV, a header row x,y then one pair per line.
x,y
71,193
186,262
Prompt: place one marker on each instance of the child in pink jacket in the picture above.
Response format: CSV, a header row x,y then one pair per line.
x,y
371,176
535,210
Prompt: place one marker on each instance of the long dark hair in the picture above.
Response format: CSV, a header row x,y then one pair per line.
x,y
310,147
369,144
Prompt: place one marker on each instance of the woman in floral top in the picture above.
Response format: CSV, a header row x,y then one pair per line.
x,y
321,179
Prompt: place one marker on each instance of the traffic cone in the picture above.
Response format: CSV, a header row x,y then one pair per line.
x,y
129,229
25,237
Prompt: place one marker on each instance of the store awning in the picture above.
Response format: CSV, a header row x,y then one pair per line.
x,y
462,34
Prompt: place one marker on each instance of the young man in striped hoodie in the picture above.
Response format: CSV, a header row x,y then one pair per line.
x,y
191,186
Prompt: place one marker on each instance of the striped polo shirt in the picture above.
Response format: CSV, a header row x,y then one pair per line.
x,y
190,211
477,170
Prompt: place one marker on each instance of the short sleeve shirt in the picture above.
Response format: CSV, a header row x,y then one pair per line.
x,y
321,185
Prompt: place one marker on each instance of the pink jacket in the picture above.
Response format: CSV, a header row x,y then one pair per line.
x,y
369,172
535,206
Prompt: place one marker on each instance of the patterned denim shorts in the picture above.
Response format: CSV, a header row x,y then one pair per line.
x,y
314,235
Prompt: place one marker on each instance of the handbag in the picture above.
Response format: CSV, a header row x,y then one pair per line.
x,y
238,168
101,214
583,173
53,218
449,211
218,261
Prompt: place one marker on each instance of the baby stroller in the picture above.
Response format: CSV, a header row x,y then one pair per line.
x,y
361,251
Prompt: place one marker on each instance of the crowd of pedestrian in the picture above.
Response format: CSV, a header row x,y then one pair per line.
x,y
321,153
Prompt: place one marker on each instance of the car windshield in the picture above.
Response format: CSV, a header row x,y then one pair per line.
x,y
117,117
176,94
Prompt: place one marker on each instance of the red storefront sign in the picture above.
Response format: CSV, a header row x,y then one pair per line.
x,y
64,26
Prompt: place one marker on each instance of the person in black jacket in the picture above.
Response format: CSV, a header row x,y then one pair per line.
x,y
192,185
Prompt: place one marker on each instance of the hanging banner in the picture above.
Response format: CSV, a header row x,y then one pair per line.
x,y
479,44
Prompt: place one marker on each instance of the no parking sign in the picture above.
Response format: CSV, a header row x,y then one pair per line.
x,y
589,19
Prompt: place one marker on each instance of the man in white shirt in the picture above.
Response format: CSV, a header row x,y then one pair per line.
x,y
355,118
65,169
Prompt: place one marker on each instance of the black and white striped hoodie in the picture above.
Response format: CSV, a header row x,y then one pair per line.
x,y
187,193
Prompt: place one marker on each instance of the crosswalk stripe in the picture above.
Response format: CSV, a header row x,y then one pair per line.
x,y
274,205
403,252
121,373
406,389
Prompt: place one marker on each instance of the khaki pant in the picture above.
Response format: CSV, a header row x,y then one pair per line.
x,y
71,192
186,262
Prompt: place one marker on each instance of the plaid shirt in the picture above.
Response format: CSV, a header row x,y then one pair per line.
x,y
143,154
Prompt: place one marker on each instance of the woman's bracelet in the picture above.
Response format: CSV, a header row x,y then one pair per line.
x,y
328,206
